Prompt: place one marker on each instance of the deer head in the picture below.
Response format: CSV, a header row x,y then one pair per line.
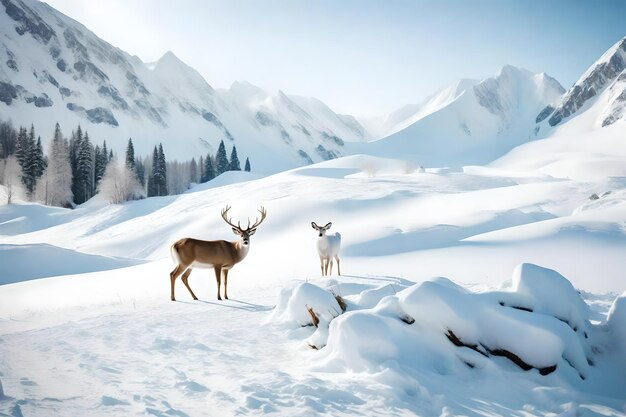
x,y
321,229
249,230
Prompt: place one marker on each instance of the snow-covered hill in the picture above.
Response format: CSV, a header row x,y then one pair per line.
x,y
470,122
53,69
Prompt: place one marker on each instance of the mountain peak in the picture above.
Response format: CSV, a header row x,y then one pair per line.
x,y
513,71
602,74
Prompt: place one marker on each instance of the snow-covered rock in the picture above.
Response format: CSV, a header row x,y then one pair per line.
x,y
294,304
443,327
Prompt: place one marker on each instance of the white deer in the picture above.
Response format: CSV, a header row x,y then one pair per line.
x,y
328,248
220,255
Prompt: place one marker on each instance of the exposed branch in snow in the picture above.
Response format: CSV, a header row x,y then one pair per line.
x,y
340,301
502,352
314,319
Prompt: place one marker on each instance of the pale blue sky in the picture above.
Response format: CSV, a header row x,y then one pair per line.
x,y
361,57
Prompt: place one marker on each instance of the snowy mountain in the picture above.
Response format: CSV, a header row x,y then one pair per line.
x,y
603,85
470,121
53,69
582,131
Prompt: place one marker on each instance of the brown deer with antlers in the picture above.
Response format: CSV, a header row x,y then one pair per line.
x,y
220,255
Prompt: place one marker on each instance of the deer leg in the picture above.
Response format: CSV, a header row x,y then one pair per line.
x,y
218,276
226,284
184,278
326,266
338,269
173,275
322,265
331,266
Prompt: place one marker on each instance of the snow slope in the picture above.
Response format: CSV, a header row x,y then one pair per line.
x,y
470,122
112,342
54,69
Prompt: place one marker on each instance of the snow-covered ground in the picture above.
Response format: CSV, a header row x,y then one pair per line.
x,y
107,340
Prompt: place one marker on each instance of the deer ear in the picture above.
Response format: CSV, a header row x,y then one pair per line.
x,y
251,232
236,231
314,225
328,225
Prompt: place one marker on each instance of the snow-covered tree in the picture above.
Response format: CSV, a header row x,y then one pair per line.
x,y
10,173
162,172
119,184
39,162
30,158
178,179
75,143
200,169
84,165
100,163
140,171
208,173
130,155
221,160
23,150
55,186
247,167
157,182
193,171
8,139
234,160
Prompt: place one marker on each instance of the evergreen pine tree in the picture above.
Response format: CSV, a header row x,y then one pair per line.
x,y
8,139
130,155
26,150
75,144
152,185
111,156
193,170
209,169
234,160
140,172
221,160
84,175
162,172
39,160
22,147
247,167
200,169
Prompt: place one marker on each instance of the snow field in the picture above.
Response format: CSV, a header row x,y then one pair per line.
x,y
118,345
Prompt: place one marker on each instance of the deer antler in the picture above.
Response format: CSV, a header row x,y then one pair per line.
x,y
229,221
257,222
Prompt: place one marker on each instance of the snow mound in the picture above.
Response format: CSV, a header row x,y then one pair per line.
x,y
294,303
537,287
24,262
308,305
616,323
540,324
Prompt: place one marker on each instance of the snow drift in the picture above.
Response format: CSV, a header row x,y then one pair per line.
x,y
539,323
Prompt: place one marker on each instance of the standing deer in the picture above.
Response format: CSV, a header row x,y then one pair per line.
x,y
327,248
220,255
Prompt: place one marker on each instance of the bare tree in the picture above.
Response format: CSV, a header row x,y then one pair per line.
x,y
10,176
120,184
54,188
